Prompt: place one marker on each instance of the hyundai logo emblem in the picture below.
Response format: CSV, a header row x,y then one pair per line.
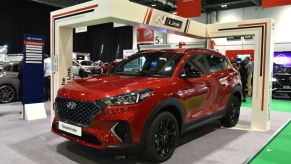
x,y
71,105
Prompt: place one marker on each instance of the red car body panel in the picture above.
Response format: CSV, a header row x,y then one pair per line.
x,y
199,97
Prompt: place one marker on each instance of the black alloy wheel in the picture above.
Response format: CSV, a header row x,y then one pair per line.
x,y
7,93
162,138
233,111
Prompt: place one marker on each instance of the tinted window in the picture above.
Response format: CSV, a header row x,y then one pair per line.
x,y
197,61
15,68
7,68
225,64
215,63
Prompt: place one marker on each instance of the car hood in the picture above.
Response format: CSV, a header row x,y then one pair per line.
x,y
102,86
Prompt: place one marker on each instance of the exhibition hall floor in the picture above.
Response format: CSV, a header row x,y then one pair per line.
x,y
32,142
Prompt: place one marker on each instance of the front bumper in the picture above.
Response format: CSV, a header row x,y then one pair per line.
x,y
114,129
279,88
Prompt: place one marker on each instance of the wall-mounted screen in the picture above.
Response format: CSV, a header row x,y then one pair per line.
x,y
283,58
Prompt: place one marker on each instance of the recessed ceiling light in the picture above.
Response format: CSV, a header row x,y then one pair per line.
x,y
224,5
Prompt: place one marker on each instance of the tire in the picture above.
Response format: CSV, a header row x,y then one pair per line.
x,y
162,138
233,111
7,93
83,74
289,94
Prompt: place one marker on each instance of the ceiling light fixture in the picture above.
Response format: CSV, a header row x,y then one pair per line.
x,y
224,5
154,5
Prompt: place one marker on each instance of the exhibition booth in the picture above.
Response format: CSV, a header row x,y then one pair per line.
x,y
65,20
130,83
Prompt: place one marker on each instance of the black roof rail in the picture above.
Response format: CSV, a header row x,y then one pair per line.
x,y
190,49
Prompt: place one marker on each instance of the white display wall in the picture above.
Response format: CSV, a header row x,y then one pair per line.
x,y
281,16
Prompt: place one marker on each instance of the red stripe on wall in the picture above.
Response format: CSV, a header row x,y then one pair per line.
x,y
53,34
145,15
150,16
264,60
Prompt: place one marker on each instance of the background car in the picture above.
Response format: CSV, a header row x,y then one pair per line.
x,y
281,79
9,82
85,68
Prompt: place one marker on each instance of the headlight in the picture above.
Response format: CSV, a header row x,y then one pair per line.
x,y
274,80
128,98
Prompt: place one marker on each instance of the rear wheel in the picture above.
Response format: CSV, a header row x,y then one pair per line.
x,y
83,73
162,138
7,93
233,111
289,94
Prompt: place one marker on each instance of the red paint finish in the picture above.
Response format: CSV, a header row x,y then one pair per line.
x,y
274,3
189,8
198,98
232,54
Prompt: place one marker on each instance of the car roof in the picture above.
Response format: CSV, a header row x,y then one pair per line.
x,y
194,50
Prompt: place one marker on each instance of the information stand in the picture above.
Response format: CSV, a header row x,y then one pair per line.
x,y
33,79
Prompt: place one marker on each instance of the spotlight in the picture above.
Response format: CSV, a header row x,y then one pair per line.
x,y
224,5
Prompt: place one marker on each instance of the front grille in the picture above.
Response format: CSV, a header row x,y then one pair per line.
x,y
81,114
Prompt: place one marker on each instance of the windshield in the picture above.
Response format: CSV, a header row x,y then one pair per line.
x,y
158,64
86,63
278,68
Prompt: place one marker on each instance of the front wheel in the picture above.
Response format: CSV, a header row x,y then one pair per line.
x,y
233,111
7,93
162,138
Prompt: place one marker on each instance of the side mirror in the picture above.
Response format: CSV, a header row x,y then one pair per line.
x,y
191,73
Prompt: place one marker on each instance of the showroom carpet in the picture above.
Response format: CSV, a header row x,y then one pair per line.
x,y
277,105
277,150
32,142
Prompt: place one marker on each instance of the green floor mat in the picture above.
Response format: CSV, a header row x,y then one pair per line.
x,y
277,105
278,150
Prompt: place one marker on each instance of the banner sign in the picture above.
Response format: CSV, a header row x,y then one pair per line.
x,y
145,35
171,22
189,8
274,3
33,69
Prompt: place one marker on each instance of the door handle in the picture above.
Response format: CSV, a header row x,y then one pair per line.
x,y
222,76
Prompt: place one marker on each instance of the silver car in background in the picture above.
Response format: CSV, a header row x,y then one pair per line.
x,y
9,82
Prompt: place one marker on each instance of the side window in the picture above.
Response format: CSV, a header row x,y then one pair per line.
x,y
196,62
7,68
225,64
75,64
215,63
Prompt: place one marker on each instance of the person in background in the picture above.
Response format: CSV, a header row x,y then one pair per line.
x,y
47,77
234,64
244,78
250,69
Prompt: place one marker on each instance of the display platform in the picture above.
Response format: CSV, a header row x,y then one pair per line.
x,y
277,150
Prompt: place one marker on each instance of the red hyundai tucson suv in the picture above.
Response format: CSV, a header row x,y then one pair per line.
x,y
148,100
